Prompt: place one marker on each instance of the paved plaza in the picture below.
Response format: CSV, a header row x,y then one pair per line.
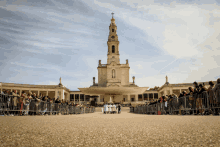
x,y
97,129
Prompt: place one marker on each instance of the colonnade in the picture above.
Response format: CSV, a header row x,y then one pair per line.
x,y
79,99
136,97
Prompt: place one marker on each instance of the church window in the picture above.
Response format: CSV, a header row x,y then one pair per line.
x,y
156,95
71,97
87,97
145,96
76,97
113,73
81,97
113,49
112,30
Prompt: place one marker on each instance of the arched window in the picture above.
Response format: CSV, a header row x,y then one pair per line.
x,y
112,30
113,49
113,73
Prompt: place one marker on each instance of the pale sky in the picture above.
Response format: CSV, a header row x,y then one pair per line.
x,y
43,40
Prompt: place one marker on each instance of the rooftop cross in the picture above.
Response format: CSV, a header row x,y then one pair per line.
x,y
112,14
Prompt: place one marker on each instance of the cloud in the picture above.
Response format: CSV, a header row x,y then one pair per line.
x,y
139,66
47,39
85,84
52,83
183,30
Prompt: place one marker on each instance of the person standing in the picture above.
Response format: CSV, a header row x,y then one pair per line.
x,y
216,90
119,108
110,108
201,100
105,108
15,101
114,108
22,102
211,93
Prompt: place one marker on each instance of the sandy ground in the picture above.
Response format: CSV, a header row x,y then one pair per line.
x,y
97,129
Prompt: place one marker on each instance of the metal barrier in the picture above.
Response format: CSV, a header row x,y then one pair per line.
x,y
131,109
17,106
186,105
87,109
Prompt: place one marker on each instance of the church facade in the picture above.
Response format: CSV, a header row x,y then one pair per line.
x,y
113,73
113,81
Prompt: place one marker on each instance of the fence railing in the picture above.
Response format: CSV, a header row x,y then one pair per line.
x,y
10,104
203,104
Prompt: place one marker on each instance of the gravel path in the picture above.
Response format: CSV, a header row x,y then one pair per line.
x,y
97,129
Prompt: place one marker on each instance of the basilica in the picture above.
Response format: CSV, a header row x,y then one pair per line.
x,y
113,81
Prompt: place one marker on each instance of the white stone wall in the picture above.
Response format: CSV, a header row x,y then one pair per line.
x,y
124,76
102,77
117,78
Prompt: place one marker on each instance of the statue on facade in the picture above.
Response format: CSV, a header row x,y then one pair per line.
x,y
60,82
133,79
167,80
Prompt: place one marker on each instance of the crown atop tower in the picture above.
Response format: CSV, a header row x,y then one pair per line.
x,y
112,30
112,15
112,20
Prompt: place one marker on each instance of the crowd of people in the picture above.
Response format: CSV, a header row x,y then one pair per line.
x,y
195,98
112,108
16,102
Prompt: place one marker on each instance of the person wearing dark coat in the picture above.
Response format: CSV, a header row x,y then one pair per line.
x,y
210,92
216,90
202,89
196,88
191,98
190,91
199,100
119,108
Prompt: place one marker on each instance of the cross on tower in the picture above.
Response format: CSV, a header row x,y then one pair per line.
x,y
112,14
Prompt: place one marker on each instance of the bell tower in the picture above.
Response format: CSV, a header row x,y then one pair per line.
x,y
113,43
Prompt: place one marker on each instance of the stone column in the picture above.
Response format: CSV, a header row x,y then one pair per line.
x,y
62,94
20,92
47,93
38,92
136,97
99,98
68,96
165,92
79,99
55,94
171,91
180,90
129,98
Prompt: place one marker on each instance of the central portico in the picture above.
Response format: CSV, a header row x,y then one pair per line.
x,y
113,77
